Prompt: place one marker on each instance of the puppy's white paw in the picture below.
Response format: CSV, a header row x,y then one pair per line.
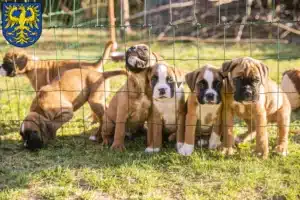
x,y
25,144
202,142
281,150
93,138
128,134
186,149
179,145
214,141
285,153
238,140
151,150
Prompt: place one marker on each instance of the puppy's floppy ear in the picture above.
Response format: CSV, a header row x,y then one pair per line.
x,y
20,60
226,68
154,58
149,73
264,72
190,78
178,75
287,72
157,57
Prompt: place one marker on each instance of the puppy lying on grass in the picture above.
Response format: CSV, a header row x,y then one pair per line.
x,y
55,104
42,72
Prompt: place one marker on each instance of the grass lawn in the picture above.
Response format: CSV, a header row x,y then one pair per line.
x,y
72,167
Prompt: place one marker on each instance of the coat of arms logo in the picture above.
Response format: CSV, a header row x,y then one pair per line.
x,y
21,23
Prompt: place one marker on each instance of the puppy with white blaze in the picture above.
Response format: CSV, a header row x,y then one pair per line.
x,y
167,111
203,109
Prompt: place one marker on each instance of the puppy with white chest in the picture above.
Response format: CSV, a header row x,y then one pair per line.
x,y
252,96
167,112
203,109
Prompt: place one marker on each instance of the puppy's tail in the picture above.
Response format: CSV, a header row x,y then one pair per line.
x,y
99,64
109,74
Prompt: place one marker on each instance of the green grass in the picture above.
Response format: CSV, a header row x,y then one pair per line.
x,y
72,167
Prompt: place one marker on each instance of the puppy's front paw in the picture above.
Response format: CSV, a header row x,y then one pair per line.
x,y
93,138
214,141
186,149
105,141
281,150
179,145
264,156
118,147
227,151
262,152
151,150
238,140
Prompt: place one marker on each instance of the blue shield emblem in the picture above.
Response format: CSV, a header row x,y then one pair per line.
x,y
21,23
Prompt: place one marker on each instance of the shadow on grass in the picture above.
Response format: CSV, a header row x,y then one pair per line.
x,y
295,116
18,166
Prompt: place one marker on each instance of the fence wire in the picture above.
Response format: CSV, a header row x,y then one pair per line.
x,y
180,30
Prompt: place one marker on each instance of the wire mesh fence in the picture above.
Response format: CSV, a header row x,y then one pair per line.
x,y
188,34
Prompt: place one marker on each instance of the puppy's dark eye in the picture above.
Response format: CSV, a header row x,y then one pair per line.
x,y
235,79
218,84
170,79
154,78
201,85
256,80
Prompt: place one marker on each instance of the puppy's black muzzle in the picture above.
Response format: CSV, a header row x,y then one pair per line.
x,y
246,93
32,140
9,68
210,96
162,91
142,58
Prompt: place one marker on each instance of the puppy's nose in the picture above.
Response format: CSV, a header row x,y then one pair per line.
x,y
248,93
132,48
162,91
210,96
34,142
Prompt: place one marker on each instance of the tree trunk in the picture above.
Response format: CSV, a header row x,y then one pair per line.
x,y
126,16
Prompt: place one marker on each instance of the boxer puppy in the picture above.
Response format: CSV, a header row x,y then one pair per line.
x,y
55,104
167,110
291,86
203,109
252,96
42,72
139,57
129,108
